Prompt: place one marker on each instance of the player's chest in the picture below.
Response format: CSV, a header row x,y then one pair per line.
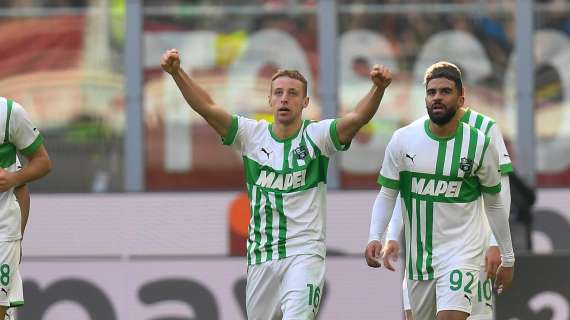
x,y
446,157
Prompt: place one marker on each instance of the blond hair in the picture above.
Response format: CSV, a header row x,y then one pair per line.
x,y
293,74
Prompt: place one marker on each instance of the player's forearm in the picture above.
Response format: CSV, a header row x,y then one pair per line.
x,y
368,106
23,197
201,102
38,166
382,212
353,121
499,221
506,199
396,223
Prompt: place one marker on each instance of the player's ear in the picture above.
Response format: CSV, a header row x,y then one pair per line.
x,y
461,101
305,102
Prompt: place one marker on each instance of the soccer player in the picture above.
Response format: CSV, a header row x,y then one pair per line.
x,y
483,303
443,168
18,134
285,170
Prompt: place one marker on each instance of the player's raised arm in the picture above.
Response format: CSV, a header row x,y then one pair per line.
x,y
198,99
349,124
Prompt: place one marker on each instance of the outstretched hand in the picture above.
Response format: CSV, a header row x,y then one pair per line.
x,y
381,76
372,253
170,61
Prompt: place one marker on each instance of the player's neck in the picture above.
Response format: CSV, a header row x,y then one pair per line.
x,y
285,131
448,129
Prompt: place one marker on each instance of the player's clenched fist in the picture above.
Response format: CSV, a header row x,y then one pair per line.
x,y
381,76
170,61
6,180
372,253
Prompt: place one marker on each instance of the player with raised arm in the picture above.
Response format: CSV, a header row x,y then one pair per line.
x,y
18,135
285,171
443,168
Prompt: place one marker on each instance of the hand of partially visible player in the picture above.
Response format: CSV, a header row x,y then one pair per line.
x,y
170,61
7,180
381,76
372,253
504,279
390,254
492,261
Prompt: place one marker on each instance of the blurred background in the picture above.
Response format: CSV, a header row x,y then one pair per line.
x,y
144,215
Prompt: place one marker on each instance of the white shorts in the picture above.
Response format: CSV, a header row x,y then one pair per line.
x,y
483,305
405,298
11,290
483,301
288,289
454,290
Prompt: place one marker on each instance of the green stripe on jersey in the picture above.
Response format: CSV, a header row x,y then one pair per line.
x,y
7,155
419,244
478,121
429,239
232,132
281,249
268,228
335,139
8,113
506,168
456,151
491,190
256,226
29,150
388,183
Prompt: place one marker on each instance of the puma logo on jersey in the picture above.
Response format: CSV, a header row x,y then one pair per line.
x,y
281,181
432,187
411,157
4,290
489,305
267,153
467,297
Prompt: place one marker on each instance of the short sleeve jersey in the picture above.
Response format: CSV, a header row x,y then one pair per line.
x,y
286,186
17,134
440,181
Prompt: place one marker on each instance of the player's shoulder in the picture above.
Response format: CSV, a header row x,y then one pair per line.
x,y
252,123
482,136
478,120
313,126
15,109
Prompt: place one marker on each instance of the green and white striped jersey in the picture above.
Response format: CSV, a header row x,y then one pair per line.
x,y
286,186
440,181
17,134
488,127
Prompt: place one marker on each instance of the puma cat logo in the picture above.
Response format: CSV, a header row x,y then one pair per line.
x,y
267,153
411,157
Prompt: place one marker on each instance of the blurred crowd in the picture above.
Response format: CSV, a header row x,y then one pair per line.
x,y
42,3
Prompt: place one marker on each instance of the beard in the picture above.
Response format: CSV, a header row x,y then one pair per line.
x,y
441,119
